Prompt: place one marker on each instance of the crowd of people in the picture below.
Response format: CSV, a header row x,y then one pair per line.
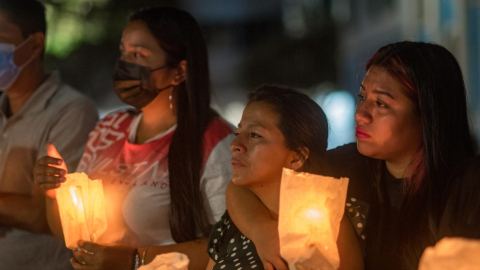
x,y
171,166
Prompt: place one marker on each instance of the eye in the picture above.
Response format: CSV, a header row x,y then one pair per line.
x,y
381,104
254,135
236,134
362,98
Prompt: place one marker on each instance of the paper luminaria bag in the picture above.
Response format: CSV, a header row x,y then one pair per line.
x,y
81,204
168,261
311,208
452,253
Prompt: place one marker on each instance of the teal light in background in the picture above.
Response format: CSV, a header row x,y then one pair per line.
x,y
446,12
339,106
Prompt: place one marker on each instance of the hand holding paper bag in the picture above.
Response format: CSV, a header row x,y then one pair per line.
x,y
311,208
52,152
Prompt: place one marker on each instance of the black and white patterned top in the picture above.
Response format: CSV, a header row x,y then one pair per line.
x,y
230,249
357,212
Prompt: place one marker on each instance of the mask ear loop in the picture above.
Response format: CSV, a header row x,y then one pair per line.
x,y
18,47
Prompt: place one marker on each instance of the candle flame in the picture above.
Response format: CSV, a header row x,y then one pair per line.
x,y
314,214
74,196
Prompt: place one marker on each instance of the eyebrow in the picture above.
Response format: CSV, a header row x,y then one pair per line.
x,y
380,92
253,124
135,46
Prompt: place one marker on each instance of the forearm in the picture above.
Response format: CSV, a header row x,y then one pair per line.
x,y
25,212
246,209
349,248
53,218
196,252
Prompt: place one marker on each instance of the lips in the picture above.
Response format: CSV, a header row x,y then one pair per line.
x,y
361,133
236,163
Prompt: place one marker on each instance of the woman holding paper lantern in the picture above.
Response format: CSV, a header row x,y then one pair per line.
x,y
412,131
165,165
293,127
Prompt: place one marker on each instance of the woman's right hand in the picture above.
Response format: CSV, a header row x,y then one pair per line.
x,y
50,172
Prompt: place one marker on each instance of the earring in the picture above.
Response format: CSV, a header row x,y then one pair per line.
x,y
170,98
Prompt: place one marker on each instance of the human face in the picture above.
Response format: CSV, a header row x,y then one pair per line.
x,y
259,151
12,34
388,127
139,46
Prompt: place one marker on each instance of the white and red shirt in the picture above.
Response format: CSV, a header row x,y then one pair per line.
x,y
136,181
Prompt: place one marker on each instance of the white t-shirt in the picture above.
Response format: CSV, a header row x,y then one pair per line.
x,y
136,181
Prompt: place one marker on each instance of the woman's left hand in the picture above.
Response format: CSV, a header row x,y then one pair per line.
x,y
92,256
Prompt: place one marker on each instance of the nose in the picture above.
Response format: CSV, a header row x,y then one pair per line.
x,y
237,145
363,112
128,56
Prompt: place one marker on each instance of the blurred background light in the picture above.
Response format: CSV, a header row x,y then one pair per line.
x,y
339,106
298,43
233,112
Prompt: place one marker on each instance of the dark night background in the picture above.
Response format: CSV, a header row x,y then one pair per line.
x,y
319,46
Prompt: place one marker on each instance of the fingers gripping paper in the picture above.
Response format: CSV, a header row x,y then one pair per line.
x,y
81,205
311,208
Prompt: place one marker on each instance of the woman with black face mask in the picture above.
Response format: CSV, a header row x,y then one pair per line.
x,y
165,165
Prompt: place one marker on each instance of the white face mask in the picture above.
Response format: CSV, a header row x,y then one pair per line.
x,y
9,71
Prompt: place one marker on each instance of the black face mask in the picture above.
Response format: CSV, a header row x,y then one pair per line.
x,y
131,84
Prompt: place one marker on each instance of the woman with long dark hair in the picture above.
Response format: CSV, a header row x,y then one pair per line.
x,y
165,165
412,131
291,125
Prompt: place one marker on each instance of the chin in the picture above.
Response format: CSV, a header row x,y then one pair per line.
x,y
366,149
372,151
238,180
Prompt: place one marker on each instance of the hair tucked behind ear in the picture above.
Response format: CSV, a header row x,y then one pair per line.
x,y
302,122
179,35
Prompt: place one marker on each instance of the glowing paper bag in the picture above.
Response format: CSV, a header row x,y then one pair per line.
x,y
168,261
452,254
311,208
81,204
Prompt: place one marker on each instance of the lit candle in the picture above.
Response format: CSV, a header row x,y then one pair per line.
x,y
81,205
311,208
452,253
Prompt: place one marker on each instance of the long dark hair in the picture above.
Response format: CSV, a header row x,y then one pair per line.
x,y
302,123
179,35
434,83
